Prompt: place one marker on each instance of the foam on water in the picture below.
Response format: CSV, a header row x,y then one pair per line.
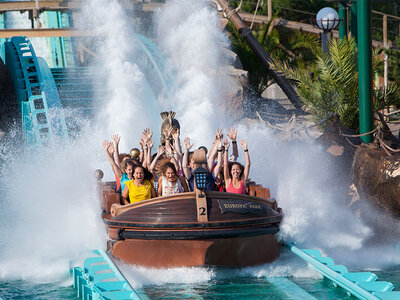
x,y
50,211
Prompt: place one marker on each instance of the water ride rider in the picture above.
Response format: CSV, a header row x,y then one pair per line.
x,y
189,164
114,159
139,188
235,174
170,182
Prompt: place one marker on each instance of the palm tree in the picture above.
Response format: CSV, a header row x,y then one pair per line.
x,y
333,86
284,46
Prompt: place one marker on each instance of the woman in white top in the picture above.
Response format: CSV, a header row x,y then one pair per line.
x,y
170,182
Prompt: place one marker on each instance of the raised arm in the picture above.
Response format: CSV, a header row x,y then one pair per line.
x,y
146,139
185,162
246,172
177,142
232,134
148,157
141,145
213,151
177,148
160,152
116,138
217,168
226,167
117,171
145,153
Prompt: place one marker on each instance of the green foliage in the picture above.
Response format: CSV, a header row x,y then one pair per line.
x,y
294,48
394,62
333,87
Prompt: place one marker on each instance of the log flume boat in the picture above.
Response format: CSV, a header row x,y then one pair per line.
x,y
193,228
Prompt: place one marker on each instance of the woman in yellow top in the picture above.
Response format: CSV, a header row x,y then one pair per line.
x,y
138,189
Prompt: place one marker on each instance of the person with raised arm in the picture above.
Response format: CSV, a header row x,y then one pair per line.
x,y
232,134
138,188
216,167
177,150
118,169
189,165
211,156
235,174
146,144
187,161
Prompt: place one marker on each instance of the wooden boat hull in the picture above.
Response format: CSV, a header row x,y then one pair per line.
x,y
238,252
236,230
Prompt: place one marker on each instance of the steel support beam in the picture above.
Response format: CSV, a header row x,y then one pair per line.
x,y
51,32
365,68
343,16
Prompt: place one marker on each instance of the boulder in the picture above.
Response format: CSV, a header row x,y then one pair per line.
x,y
376,177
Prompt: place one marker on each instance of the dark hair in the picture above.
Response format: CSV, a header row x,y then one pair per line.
x,y
230,165
168,165
147,173
122,156
204,148
131,163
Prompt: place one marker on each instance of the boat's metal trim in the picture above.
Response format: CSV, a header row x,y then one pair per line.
x,y
193,235
268,220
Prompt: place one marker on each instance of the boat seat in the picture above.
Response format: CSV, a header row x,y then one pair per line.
x,y
104,194
357,277
110,199
253,188
263,193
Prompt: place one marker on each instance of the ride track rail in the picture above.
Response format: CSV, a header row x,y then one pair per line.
x,y
33,85
49,100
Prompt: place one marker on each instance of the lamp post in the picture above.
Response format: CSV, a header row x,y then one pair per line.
x,y
327,19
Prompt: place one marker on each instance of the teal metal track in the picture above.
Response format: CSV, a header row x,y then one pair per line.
x,y
36,93
363,285
99,278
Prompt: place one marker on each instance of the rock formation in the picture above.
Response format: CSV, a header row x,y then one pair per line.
x,y
376,177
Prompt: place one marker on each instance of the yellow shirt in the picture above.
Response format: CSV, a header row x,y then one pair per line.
x,y
139,193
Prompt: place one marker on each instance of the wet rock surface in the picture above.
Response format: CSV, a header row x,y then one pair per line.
x,y
376,177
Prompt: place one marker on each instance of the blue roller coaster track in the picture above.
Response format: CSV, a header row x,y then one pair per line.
x,y
47,98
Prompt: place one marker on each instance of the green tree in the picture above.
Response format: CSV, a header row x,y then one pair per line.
x,y
333,87
394,62
296,49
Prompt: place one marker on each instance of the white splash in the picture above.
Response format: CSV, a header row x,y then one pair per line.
x,y
190,36
50,211
128,104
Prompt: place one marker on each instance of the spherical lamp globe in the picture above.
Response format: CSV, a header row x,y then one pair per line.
x,y
327,19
